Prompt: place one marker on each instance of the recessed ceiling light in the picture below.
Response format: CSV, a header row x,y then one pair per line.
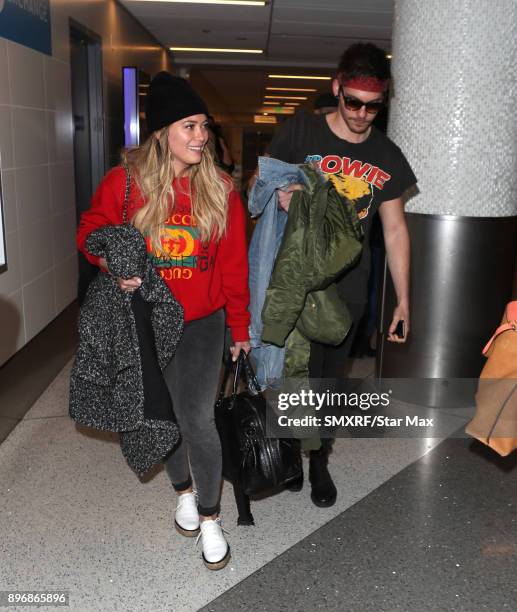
x,y
298,76
281,110
210,50
289,89
262,119
388,56
286,97
241,2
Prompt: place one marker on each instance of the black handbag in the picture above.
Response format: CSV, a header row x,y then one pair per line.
x,y
252,462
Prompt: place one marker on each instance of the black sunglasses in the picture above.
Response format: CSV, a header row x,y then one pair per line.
x,y
354,104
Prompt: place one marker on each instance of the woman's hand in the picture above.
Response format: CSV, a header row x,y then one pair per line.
x,y
237,347
125,284
129,284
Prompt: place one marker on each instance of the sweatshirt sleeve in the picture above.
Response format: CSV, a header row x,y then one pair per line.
x,y
233,261
105,209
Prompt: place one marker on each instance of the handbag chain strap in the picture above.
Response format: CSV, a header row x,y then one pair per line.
x,y
126,194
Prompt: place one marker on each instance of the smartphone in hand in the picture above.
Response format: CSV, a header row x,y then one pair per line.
x,y
400,330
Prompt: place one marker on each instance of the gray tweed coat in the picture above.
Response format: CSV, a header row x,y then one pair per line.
x,y
106,386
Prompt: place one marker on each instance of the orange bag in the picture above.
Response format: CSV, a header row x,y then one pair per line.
x,y
495,422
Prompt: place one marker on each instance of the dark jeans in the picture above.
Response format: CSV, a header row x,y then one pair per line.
x,y
193,378
328,361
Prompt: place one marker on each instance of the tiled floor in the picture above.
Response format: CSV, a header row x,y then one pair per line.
x,y
76,518
441,535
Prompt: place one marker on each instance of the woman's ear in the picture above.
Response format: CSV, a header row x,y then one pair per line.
x,y
159,133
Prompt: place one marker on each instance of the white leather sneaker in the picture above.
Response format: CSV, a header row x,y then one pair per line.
x,y
216,552
186,518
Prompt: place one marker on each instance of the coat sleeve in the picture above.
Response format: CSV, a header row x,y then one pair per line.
x,y
233,261
337,241
287,290
105,209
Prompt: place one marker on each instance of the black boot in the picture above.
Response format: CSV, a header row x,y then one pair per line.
x,y
324,492
295,485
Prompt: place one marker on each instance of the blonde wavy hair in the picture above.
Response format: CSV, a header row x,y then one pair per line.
x,y
152,169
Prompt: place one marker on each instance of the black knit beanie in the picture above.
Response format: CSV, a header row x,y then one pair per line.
x,y
169,99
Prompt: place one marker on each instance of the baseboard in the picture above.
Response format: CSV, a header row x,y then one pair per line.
x,y
25,376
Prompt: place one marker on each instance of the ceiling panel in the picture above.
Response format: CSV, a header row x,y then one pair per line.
x,y
327,50
310,50
374,6
172,10
331,18
245,39
203,23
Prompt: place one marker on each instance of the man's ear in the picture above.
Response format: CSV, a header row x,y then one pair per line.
x,y
335,87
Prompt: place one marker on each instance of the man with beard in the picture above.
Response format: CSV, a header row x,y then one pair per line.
x,y
372,172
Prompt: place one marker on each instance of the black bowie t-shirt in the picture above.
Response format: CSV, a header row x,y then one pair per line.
x,y
368,173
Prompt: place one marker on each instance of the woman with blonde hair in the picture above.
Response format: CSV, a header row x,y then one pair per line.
x,y
194,225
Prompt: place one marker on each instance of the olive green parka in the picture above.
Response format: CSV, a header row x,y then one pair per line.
x,y
322,239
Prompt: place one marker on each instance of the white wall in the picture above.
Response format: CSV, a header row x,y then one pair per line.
x,y
36,159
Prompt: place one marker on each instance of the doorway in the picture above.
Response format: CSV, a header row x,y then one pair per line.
x,y
87,109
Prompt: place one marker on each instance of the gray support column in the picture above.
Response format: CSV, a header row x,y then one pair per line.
x,y
454,114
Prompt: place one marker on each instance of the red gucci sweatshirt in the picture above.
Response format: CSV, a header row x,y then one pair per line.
x,y
202,277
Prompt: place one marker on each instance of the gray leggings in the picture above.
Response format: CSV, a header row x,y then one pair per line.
x,y
193,378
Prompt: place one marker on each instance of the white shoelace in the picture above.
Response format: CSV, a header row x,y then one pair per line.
x,y
218,521
180,501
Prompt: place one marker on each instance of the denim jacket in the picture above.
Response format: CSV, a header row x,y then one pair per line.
x,y
267,237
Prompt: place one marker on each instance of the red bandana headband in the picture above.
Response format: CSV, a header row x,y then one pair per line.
x,y
366,84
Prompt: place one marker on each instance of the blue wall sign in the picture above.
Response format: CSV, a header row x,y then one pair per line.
x,y
27,22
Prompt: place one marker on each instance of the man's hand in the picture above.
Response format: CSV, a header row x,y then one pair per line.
x,y
401,313
237,347
284,196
